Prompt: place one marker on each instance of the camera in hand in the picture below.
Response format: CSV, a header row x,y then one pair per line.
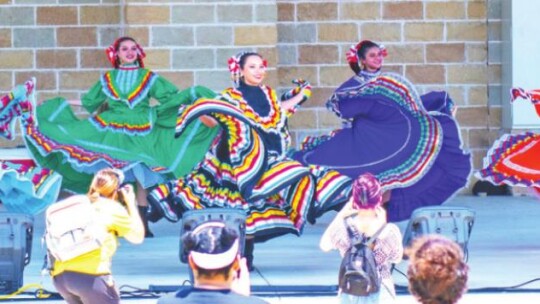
x,y
120,193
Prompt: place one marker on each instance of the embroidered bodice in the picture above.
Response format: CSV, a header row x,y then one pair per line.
x,y
255,97
121,85
127,92
266,114
126,78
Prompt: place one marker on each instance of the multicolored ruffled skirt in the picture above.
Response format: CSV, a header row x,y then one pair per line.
x,y
24,186
513,160
277,194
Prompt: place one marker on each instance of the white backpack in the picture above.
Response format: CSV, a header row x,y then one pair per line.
x,y
73,228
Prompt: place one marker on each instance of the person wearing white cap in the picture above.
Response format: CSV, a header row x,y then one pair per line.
x,y
220,273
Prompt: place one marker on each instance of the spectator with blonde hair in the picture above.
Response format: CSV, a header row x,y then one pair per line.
x,y
87,278
437,270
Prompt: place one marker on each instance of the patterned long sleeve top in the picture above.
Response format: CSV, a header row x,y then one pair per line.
x,y
388,248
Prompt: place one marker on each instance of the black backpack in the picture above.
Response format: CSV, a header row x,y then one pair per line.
x,y
358,273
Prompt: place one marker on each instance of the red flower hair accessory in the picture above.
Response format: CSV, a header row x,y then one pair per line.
x,y
352,54
384,51
112,53
234,65
234,68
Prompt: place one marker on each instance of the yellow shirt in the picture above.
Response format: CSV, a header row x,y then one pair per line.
x,y
118,222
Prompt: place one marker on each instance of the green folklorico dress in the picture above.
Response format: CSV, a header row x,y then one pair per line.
x,y
130,134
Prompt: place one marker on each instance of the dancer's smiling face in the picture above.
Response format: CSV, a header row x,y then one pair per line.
x,y
372,59
127,52
253,70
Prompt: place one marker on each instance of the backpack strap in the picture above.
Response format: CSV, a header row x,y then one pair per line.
x,y
354,235
360,238
375,236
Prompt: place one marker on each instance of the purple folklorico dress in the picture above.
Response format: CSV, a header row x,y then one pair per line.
x,y
412,144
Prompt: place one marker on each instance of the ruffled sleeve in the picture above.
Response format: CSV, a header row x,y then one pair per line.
x,y
93,98
165,93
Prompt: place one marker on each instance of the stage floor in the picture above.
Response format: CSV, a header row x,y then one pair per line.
x,y
504,251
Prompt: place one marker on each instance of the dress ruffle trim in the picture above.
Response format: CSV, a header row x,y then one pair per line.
x,y
275,194
7,116
126,128
246,148
14,104
26,188
501,168
400,91
276,120
82,159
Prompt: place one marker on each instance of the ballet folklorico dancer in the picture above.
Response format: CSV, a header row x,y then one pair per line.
x,y
513,158
124,131
411,143
247,167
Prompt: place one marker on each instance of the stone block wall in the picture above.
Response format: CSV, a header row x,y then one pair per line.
x,y
62,42
187,41
439,45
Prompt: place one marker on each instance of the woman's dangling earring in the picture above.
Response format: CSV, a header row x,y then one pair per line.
x,y
361,65
239,78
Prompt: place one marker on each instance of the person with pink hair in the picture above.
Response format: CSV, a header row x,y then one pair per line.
x,y
368,215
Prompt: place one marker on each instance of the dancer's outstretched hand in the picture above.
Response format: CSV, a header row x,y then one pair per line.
x,y
303,87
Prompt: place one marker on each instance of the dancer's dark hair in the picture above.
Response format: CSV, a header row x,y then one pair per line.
x,y
361,49
117,43
244,56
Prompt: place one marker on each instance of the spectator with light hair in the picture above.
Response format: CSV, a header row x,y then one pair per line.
x,y
87,278
437,270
